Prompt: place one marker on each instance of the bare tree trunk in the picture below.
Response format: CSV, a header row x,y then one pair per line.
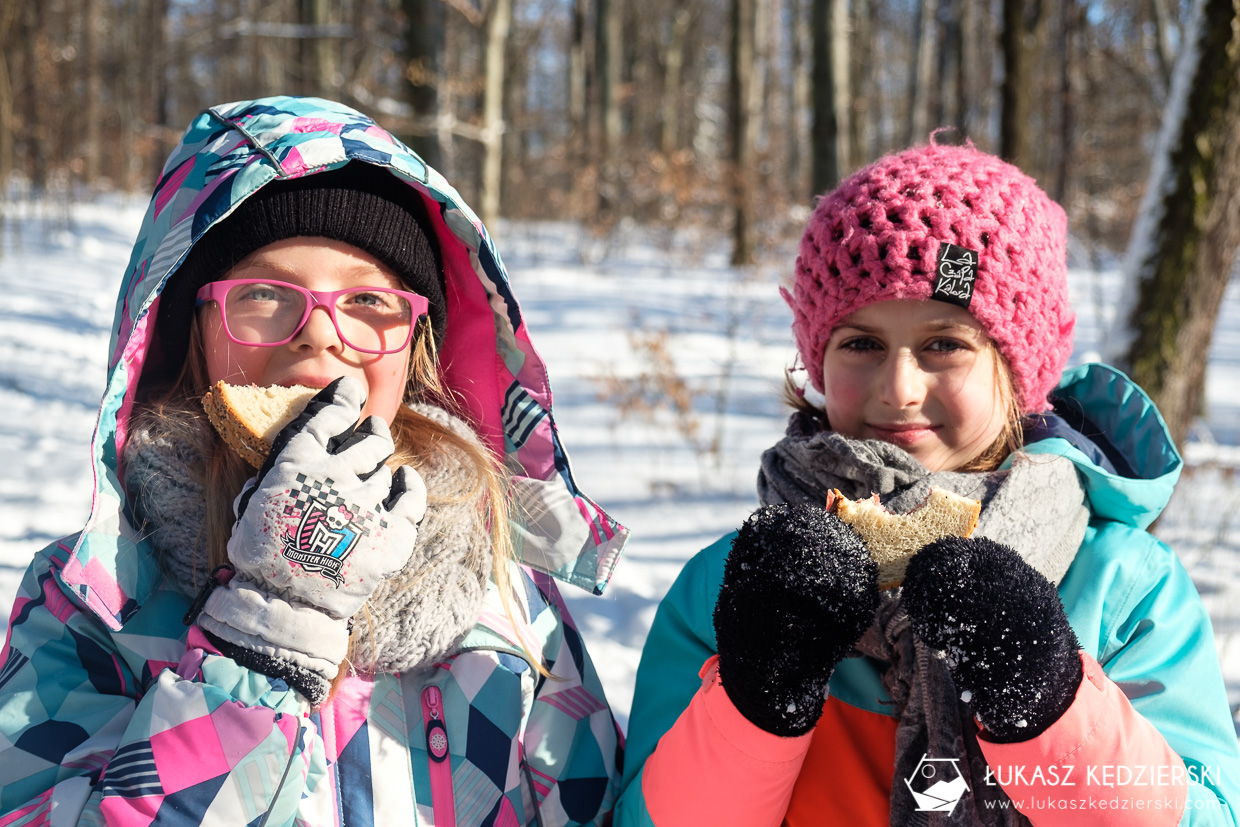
x,y
1185,244
326,67
756,103
424,33
498,22
920,96
31,37
306,70
951,75
517,169
841,37
1070,22
967,67
91,144
673,65
609,57
799,100
829,133
861,89
741,78
156,90
1022,25
579,50
8,19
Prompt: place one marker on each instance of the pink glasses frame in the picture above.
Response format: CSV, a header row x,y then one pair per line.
x,y
216,291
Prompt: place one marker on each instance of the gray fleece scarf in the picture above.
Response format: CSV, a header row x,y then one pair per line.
x,y
1037,507
413,620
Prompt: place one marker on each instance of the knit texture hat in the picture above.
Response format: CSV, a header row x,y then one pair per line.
x,y
359,204
949,223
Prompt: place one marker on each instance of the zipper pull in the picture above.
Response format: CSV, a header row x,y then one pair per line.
x,y
436,732
438,759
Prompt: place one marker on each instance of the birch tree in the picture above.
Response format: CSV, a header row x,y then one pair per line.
x,y
499,18
1183,249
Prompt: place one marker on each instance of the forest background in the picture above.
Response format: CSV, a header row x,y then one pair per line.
x,y
707,113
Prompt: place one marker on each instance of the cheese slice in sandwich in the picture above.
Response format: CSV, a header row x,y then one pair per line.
x,y
893,539
248,417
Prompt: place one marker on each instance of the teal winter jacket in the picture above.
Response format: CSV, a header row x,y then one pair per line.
x,y
1130,601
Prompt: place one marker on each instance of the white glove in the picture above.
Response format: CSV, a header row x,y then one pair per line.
x,y
320,526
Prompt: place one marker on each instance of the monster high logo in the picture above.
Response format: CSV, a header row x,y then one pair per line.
x,y
956,276
326,528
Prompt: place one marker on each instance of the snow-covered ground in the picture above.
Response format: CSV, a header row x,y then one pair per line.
x,y
667,366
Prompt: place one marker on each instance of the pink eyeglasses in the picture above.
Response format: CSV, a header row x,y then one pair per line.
x,y
264,313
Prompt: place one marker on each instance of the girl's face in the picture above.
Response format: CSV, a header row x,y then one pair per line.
x,y
316,355
918,374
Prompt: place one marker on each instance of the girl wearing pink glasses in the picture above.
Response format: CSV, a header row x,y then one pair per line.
x,y
368,629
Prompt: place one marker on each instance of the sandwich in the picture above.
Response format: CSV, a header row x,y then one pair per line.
x,y
893,539
248,417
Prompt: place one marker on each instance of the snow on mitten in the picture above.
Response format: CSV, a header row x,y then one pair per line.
x,y
320,527
1003,630
798,590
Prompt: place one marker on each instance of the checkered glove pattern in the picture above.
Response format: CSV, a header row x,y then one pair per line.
x,y
323,523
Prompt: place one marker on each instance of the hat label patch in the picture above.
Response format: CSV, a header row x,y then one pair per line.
x,y
956,275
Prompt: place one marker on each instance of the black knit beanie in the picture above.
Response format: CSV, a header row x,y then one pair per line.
x,y
359,204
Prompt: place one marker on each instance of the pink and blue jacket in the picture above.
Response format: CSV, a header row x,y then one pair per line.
x,y
1149,739
114,712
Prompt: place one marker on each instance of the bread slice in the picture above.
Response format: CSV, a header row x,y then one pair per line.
x,y
893,539
248,417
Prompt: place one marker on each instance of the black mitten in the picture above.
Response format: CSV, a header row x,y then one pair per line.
x,y
798,590
1003,629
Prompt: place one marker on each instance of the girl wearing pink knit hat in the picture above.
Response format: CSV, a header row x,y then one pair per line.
x,y
1057,667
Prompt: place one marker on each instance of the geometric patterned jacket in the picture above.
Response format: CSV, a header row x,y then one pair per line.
x,y
113,712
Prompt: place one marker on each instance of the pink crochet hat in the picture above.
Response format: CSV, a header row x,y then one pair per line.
x,y
949,223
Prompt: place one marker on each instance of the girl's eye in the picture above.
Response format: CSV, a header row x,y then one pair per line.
x,y
861,344
947,345
375,301
260,293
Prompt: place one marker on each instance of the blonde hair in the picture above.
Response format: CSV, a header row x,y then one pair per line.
x,y
1010,438
175,411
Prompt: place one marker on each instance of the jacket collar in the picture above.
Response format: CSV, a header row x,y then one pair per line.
x,y
1120,410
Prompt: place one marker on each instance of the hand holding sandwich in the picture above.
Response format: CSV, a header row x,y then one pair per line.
x,y
317,530
1003,630
798,590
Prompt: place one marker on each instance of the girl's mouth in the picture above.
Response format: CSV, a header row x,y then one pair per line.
x,y
903,435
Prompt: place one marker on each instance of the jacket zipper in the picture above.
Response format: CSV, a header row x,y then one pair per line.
x,y
439,759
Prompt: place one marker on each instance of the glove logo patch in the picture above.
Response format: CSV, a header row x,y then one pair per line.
x,y
327,528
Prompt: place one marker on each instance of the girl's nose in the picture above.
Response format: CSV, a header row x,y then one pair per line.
x,y
903,382
319,332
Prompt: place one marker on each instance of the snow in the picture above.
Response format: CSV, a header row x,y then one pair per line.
x,y
627,324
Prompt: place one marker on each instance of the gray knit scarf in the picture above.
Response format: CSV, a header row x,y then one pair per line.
x,y
1036,507
413,620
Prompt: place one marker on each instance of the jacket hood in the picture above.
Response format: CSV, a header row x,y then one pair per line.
x,y
1117,414
487,359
